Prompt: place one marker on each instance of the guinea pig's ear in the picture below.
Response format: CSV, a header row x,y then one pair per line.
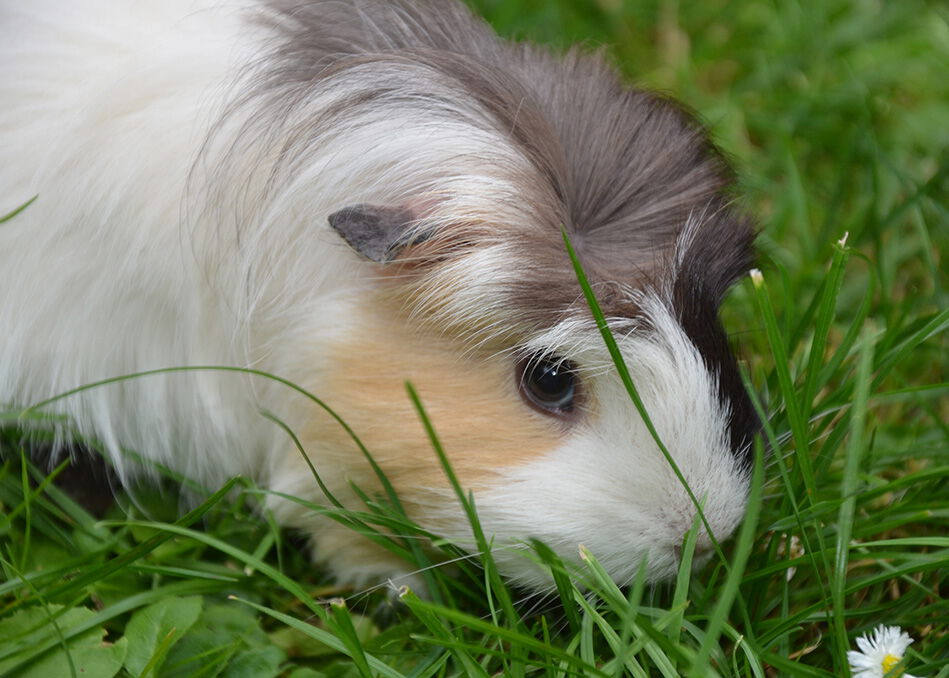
x,y
378,233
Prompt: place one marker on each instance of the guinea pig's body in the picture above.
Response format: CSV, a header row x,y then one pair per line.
x,y
352,195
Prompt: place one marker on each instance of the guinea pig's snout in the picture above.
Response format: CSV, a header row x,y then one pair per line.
x,y
721,515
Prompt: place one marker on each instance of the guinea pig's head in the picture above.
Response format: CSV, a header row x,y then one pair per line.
x,y
453,175
483,314
495,335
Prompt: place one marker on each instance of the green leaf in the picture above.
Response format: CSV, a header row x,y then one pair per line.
x,y
153,630
305,672
226,640
87,654
255,663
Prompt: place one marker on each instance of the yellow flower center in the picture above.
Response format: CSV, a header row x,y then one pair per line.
x,y
889,661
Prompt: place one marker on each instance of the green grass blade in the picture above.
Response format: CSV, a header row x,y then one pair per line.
x,y
848,490
744,544
11,215
374,665
495,585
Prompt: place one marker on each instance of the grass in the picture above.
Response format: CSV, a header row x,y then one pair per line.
x,y
835,114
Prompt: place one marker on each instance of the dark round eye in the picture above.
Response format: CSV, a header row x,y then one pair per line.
x,y
549,383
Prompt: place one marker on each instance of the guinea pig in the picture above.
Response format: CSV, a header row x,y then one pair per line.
x,y
352,195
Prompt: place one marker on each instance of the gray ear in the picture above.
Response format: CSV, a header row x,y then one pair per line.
x,y
377,233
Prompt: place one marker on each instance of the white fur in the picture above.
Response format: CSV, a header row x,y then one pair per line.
x,y
135,258
609,487
161,237
104,105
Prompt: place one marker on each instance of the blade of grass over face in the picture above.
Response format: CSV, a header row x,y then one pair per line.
x,y
495,586
620,364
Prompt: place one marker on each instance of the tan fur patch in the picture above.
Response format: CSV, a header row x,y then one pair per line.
x,y
472,400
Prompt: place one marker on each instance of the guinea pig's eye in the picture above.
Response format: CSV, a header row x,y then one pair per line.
x,y
549,384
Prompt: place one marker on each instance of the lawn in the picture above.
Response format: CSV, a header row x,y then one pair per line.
x,y
835,114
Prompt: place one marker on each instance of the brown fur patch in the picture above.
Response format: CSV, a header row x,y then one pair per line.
x,y
472,400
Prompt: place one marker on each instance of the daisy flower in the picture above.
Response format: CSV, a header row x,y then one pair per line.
x,y
879,653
